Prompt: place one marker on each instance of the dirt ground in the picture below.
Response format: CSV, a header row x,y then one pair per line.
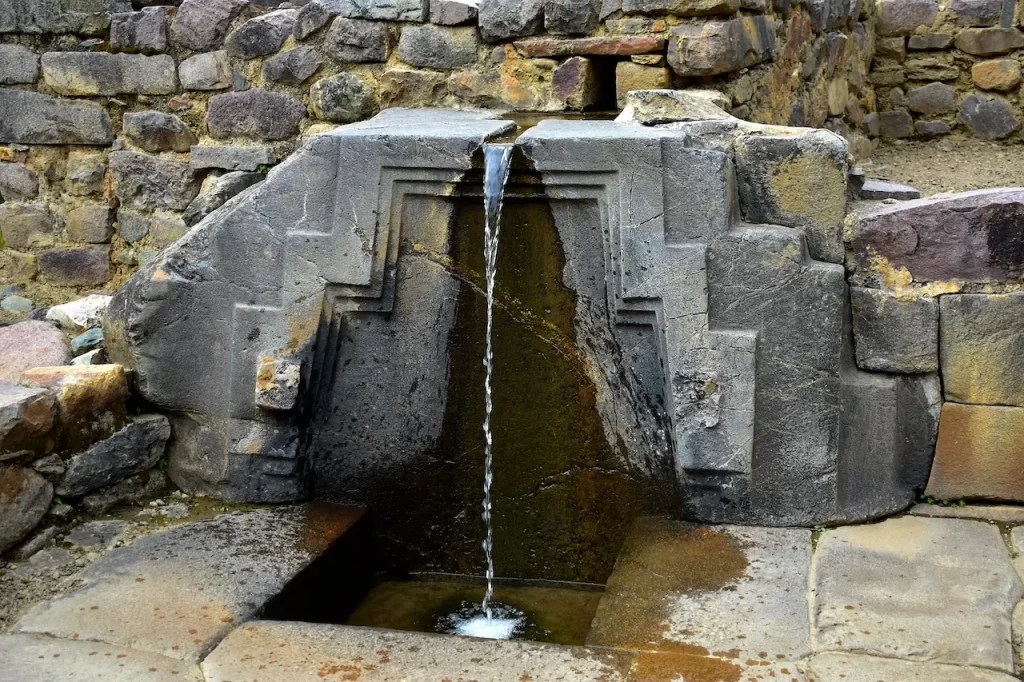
x,y
952,164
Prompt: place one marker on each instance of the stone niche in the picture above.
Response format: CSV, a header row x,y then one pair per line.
x,y
322,335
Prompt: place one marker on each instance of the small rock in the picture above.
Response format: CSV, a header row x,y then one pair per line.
x,y
87,341
16,304
313,16
51,466
986,42
879,189
201,25
930,41
356,40
131,490
26,226
651,107
932,99
411,88
453,12
996,74
27,417
34,544
143,31
61,511
292,67
929,129
132,226
88,266
154,132
31,344
18,64
232,158
631,77
134,449
24,498
81,314
86,172
895,124
216,192
574,83
93,357
256,114
260,36
438,47
147,182
206,71
90,224
344,98
17,182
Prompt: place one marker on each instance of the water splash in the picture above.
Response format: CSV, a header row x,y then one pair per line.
x,y
497,160
504,622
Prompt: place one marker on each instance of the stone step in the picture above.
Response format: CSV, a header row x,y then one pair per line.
x,y
177,593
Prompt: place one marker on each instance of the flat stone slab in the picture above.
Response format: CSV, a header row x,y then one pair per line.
x,y
835,667
881,189
34,658
298,652
729,591
1003,513
178,592
925,589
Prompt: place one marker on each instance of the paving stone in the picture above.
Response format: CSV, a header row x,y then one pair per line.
x,y
34,118
32,658
911,587
502,20
343,98
206,71
681,8
201,25
293,67
26,226
932,99
27,416
979,454
80,314
571,17
893,333
301,651
385,10
261,35
91,399
1001,513
438,47
143,31
989,116
17,182
216,192
178,592
356,40
66,16
837,667
900,17
131,490
716,47
574,83
453,12
102,73
132,450
679,587
929,41
18,64
313,16
24,498
31,344
143,181
88,266
881,189
981,346
601,45
254,114
231,158
996,74
98,534
412,88
986,42
155,131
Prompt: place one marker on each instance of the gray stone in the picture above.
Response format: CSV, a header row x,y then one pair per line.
x,y
216,194
929,129
101,73
151,593
131,450
949,611
254,114
29,658
143,31
453,12
16,304
31,344
98,534
932,99
131,490
931,67
232,158
154,131
355,40
200,25
142,181
989,116
842,667
26,226
716,47
977,12
35,543
293,67
313,16
386,10
681,7
895,124
438,47
132,226
34,118
90,224
86,172
17,182
880,189
901,17
893,333
303,650
260,36
206,71
1001,513
18,64
571,17
26,417
24,498
986,42
80,314
981,344
75,267
343,98
85,17
502,20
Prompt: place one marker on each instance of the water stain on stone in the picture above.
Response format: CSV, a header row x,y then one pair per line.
x,y
323,523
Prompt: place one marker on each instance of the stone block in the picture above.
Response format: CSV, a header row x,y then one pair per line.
x,y
888,75
411,88
200,25
216,192
571,17
83,313
17,182
293,67
847,667
438,47
25,226
716,47
154,131
75,267
453,12
261,35
132,226
34,118
977,12
932,99
142,181
356,40
929,41
894,48
24,498
84,17
231,158
652,107
895,124
930,129
313,16
18,64
132,450
796,181
894,334
86,173
631,77
384,10
143,31
996,74
101,73
255,114
206,71
91,224
979,454
989,116
574,83
902,17
91,400
27,416
987,42
502,20
602,45
681,8
29,344
982,342
343,98
16,266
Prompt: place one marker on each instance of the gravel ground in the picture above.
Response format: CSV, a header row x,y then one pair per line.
x,y
952,164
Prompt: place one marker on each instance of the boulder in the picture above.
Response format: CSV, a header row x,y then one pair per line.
x,y
893,333
24,498
982,342
255,114
231,158
143,181
91,399
154,131
502,20
200,25
206,71
81,314
438,47
901,17
26,226
216,192
989,116
31,344
356,40
90,223
293,67
17,182
143,31
89,266
35,118
18,64
344,98
260,36
132,450
102,73
715,47
27,416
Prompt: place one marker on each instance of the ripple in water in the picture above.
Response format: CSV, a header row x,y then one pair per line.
x,y
504,621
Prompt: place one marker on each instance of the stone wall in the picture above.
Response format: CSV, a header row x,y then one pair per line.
x,y
125,121
945,65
